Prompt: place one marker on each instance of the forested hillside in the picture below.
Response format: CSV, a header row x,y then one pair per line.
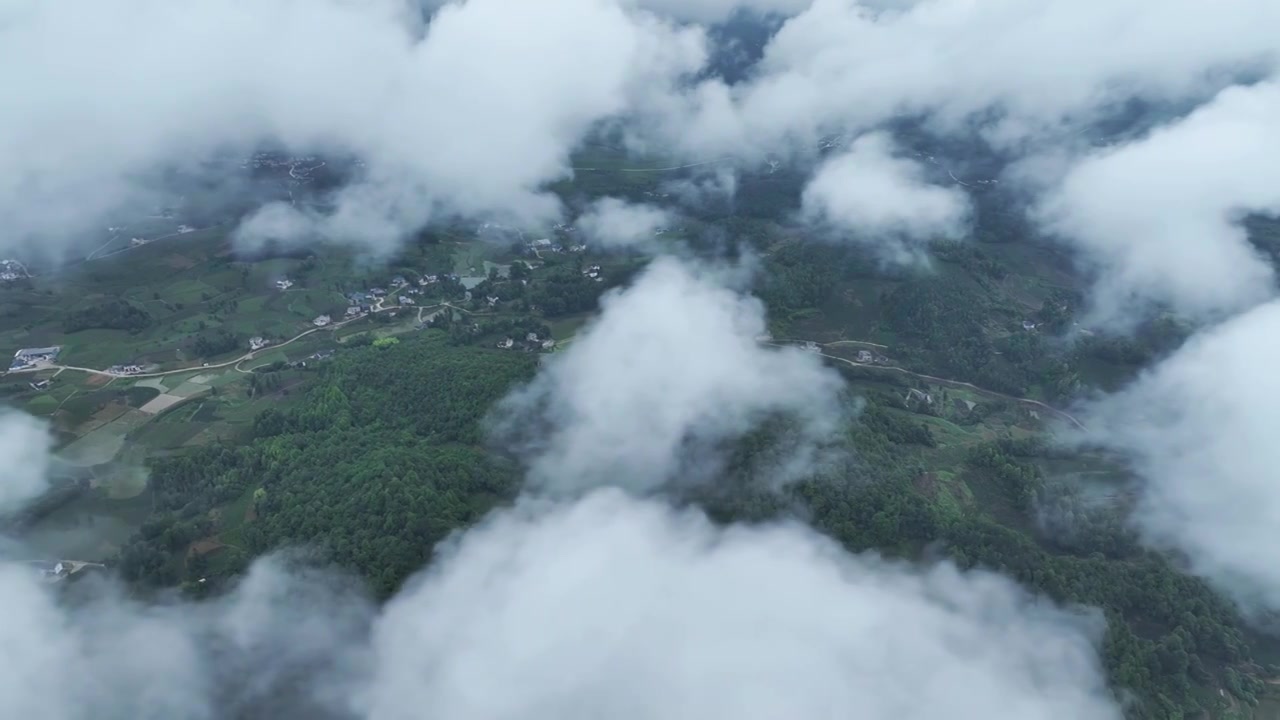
x,y
378,463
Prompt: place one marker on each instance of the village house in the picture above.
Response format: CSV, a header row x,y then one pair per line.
x,y
865,356
492,300
531,337
353,311
1028,325
39,385
257,343
27,357
405,300
548,344
428,279
507,344
377,292
321,321
124,370
398,281
284,284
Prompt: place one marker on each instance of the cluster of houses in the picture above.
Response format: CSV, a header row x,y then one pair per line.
x,y
531,342
129,369
548,245
33,357
11,270
313,357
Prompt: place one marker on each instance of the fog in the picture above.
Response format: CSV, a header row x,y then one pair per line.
x,y
647,391
1200,431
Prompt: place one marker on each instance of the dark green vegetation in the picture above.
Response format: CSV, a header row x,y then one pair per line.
x,y
373,455
378,462
1170,640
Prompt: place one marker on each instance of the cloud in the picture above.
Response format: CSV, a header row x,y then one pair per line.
x,y
711,11
1021,71
608,606
643,394
613,607
612,222
1160,216
282,641
460,117
25,444
878,195
1200,428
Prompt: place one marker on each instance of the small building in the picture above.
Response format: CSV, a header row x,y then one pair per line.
x,y
257,343
399,280
353,311
507,344
1028,325
428,279
492,300
377,292
406,300
284,284
865,356
40,385
531,337
321,321
28,357
548,344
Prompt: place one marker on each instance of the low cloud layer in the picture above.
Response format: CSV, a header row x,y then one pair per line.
x,y
644,394
465,116
1161,215
877,196
475,112
1200,428
617,608
608,607
25,444
612,222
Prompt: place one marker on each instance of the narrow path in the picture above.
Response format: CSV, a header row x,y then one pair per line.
x,y
946,381
247,356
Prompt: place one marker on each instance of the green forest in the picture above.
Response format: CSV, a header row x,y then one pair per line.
x,y
385,456
381,459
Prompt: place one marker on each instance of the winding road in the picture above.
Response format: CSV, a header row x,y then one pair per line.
x,y
933,378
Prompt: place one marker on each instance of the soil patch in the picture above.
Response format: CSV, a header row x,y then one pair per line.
x,y
163,402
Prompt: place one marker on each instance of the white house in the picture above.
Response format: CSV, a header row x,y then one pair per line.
x,y
321,321
257,343
284,284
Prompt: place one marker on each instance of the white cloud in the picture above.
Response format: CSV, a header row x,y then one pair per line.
x,y
24,444
1201,430
613,607
606,607
878,195
670,368
710,11
612,222
469,118
1038,69
1159,215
